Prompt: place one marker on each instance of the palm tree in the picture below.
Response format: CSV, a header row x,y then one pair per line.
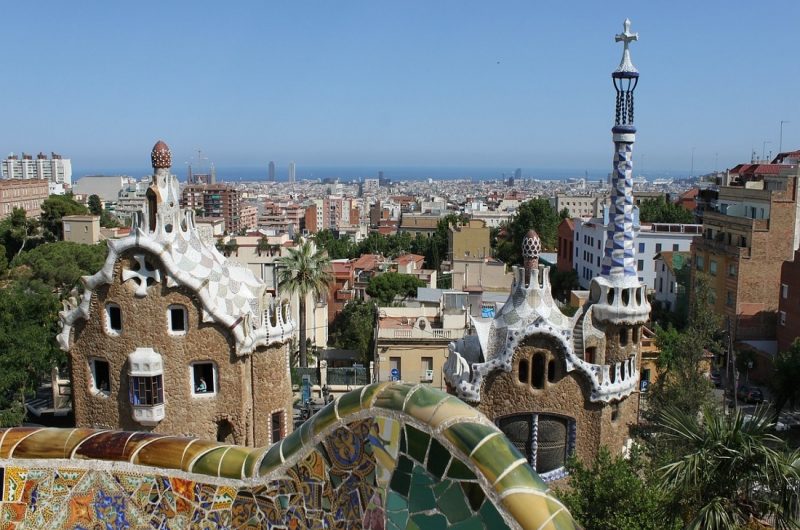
x,y
305,270
733,472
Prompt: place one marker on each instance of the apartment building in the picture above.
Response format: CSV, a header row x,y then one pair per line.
x,y
749,232
56,170
214,200
28,194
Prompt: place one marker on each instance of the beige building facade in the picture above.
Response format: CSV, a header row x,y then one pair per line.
x,y
81,228
28,194
469,241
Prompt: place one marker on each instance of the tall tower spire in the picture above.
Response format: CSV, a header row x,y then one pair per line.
x,y
618,297
619,261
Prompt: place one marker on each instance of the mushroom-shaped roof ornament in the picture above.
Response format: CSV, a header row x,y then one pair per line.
x,y
531,245
161,156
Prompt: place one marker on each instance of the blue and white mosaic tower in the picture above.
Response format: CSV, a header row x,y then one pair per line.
x,y
618,295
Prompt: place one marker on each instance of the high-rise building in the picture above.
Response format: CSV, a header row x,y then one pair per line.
x,y
57,170
271,171
215,200
291,172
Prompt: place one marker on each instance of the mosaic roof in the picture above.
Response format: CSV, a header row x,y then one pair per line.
x,y
231,295
387,456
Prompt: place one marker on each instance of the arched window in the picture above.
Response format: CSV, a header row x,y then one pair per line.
x,y
546,441
523,370
151,209
551,371
623,336
537,377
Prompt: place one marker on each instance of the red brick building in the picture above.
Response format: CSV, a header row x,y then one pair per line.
x,y
789,303
566,245
215,200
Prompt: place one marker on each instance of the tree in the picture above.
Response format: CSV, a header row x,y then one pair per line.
x,y
732,471
354,327
16,231
535,214
385,287
263,245
304,271
613,494
785,376
53,209
658,210
28,326
563,282
95,205
61,264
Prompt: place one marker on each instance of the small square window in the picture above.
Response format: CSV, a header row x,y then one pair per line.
x,y
204,378
658,248
675,247
101,372
113,319
177,320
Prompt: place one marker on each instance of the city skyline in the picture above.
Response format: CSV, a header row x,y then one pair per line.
x,y
450,85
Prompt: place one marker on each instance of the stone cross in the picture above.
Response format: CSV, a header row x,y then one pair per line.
x,y
626,37
141,275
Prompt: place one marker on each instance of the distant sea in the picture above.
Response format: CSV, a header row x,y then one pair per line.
x,y
349,173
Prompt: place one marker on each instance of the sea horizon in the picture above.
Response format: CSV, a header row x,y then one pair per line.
x,y
396,173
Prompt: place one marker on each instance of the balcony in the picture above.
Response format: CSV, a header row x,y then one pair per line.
x,y
435,334
734,222
721,247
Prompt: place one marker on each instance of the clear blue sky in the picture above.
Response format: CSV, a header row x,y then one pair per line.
x,y
412,83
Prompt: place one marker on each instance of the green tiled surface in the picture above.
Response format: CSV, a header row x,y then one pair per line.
x,y
394,467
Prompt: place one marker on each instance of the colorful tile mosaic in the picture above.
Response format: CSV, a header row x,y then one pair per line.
x,y
385,457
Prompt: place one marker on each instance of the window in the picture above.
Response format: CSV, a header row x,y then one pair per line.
x,y
113,319
147,390
101,372
784,291
177,321
614,412
712,267
623,337
675,247
426,369
658,248
640,265
641,247
661,285
277,426
700,263
204,378
523,370
729,298
783,318
551,371
547,452
732,269
537,377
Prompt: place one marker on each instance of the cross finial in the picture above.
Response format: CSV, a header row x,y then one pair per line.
x,y
626,37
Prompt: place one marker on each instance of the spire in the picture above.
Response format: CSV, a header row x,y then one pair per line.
x,y
619,261
531,248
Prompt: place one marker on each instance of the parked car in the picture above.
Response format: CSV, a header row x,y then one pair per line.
x,y
750,394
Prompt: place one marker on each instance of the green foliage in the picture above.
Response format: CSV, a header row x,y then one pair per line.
x,y
537,214
385,287
53,209
658,210
612,494
730,472
563,282
354,327
304,271
95,205
785,376
17,232
28,326
61,264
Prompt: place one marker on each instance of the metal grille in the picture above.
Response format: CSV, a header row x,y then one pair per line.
x,y
551,450
518,430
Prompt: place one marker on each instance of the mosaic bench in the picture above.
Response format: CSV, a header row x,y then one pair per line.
x,y
387,456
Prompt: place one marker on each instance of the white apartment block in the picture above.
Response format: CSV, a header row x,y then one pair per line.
x,y
56,170
651,239
580,205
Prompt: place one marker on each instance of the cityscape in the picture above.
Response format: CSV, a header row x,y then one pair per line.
x,y
454,306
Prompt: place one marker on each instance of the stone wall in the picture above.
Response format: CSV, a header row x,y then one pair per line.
x,y
144,324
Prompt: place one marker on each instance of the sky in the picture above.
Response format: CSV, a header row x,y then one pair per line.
x,y
412,83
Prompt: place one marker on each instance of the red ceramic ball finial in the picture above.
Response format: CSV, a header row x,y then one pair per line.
x,y
161,156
